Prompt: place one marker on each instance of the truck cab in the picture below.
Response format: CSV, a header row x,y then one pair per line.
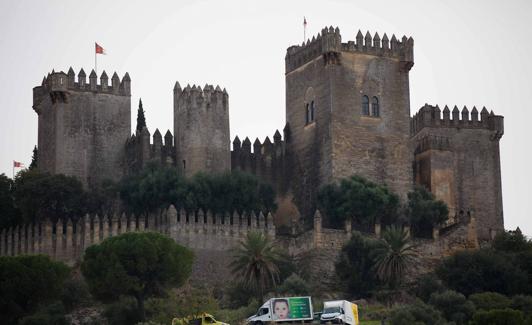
x,y
262,316
339,312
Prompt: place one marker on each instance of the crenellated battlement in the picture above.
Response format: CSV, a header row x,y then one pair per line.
x,y
195,96
66,240
329,44
56,83
140,150
432,116
266,160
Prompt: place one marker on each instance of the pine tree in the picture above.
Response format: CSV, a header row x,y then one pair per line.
x,y
141,120
34,158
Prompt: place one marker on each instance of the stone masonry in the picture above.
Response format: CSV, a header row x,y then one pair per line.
x,y
347,112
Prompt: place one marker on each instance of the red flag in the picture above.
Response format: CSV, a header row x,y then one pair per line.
x,y
17,164
99,49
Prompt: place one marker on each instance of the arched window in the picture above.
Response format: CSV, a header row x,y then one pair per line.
x,y
375,106
307,114
365,105
312,111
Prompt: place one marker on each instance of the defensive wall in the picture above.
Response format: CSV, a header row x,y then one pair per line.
x,y
212,238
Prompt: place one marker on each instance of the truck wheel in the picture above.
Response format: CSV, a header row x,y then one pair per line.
x,y
257,323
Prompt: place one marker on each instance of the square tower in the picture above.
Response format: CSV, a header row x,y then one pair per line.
x,y
348,109
83,127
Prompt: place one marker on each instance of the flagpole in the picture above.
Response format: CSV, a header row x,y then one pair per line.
x,y
95,62
13,174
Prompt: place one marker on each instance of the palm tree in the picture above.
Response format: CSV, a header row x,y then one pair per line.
x,y
255,263
393,256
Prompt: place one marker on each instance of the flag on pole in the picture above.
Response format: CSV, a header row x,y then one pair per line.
x,y
304,29
99,49
17,164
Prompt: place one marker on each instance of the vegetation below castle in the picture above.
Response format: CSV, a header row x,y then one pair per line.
x,y
34,195
471,287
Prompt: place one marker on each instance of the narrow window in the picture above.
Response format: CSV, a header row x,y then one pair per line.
x,y
307,114
375,106
365,105
312,111
184,164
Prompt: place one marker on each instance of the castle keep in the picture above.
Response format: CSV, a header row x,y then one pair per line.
x,y
347,112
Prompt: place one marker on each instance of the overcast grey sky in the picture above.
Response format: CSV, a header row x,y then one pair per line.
x,y
466,53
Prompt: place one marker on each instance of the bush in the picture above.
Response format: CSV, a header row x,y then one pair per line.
x,y
489,301
511,241
425,212
522,303
470,272
453,306
294,286
355,265
53,314
124,311
236,316
498,317
74,293
414,314
426,285
26,282
238,294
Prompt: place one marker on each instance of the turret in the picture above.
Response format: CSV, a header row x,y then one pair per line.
x,y
201,129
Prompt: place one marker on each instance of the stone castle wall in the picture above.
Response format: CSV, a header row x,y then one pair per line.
x,y
211,237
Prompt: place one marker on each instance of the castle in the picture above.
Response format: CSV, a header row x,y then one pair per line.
x,y
347,112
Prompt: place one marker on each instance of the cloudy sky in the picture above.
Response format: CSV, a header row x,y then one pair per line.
x,y
466,53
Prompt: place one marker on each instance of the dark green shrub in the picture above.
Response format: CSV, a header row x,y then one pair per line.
x,y
294,286
124,311
74,293
522,303
53,314
470,272
426,285
498,317
26,282
355,265
453,306
416,313
489,301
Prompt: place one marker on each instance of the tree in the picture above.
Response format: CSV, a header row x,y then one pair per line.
x,y
101,198
34,158
511,241
471,272
41,195
355,265
453,305
393,256
358,198
135,264
141,119
256,263
425,212
490,300
27,281
10,215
